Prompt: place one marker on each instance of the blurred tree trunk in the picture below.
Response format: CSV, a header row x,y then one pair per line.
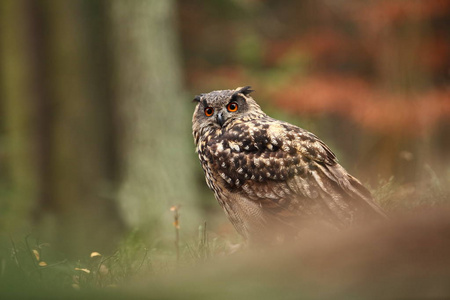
x,y
155,117
58,125
81,172
18,116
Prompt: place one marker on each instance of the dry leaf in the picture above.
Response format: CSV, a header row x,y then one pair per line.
x,y
36,254
94,254
83,269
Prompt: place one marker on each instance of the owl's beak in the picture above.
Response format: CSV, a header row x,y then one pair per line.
x,y
220,120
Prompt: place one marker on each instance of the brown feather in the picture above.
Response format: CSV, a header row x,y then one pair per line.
x,y
271,176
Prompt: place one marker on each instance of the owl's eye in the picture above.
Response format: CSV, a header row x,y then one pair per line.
x,y
209,111
232,107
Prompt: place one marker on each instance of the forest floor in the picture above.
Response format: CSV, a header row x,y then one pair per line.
x,y
405,257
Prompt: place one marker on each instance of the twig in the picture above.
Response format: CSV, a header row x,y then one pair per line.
x,y
15,254
33,258
176,224
143,259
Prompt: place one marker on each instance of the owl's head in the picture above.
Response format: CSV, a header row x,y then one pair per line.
x,y
218,109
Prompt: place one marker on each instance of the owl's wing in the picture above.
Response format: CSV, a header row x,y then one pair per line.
x,y
290,173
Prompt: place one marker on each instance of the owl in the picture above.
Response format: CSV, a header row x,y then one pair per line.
x,y
272,179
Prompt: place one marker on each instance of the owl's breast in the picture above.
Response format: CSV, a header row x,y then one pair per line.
x,y
248,153
205,150
255,151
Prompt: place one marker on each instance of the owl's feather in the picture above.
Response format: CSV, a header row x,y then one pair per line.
x,y
285,169
271,174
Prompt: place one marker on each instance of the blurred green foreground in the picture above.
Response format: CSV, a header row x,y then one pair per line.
x,y
402,259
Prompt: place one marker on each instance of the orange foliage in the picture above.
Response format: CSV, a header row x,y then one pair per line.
x,y
387,13
350,97
435,54
329,58
374,109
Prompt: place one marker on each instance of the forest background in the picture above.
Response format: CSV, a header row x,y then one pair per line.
x,y
95,105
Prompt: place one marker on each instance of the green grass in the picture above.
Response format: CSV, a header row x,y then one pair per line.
x,y
394,196
32,267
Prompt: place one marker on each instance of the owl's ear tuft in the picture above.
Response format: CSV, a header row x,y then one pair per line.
x,y
197,98
246,90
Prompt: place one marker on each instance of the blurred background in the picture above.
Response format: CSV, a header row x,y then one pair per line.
x,y
95,104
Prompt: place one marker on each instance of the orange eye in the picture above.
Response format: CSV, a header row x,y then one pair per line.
x,y
232,107
209,111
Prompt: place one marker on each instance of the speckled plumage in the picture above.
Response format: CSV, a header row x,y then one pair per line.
x,y
271,177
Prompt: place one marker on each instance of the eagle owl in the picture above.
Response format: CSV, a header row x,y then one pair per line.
x,y
272,178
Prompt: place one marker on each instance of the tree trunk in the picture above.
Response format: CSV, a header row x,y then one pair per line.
x,y
58,125
155,115
19,174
